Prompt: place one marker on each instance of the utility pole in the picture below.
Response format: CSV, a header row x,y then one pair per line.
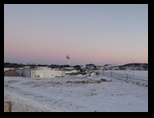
x,y
133,67
111,71
113,66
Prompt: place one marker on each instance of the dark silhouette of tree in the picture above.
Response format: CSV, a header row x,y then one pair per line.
x,y
91,67
77,67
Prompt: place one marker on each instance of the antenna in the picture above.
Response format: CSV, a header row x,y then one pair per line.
x,y
68,57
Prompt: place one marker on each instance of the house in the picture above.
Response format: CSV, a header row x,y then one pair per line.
x,y
11,73
41,72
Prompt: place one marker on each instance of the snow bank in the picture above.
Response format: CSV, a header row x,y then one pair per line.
x,y
22,104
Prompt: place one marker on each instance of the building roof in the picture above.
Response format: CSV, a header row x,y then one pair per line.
x,y
41,67
68,68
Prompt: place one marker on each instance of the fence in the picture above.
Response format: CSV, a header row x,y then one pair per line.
x,y
127,78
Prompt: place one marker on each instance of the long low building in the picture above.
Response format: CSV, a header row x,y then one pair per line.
x,y
41,73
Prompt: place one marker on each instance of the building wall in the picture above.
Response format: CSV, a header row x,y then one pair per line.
x,y
20,71
26,72
40,73
46,73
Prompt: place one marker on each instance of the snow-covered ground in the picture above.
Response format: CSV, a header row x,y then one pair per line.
x,y
138,74
75,94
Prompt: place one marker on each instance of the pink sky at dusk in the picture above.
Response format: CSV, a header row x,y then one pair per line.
x,y
89,33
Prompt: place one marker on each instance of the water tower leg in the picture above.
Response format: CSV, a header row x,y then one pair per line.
x,y
69,62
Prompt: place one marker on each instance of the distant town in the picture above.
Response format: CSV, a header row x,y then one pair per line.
x,y
54,70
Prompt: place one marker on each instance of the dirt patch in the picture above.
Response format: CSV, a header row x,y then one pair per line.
x,y
7,107
87,81
47,84
12,81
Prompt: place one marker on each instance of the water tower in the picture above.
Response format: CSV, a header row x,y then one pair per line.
x,y
68,57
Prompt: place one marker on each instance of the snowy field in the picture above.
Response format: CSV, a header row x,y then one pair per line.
x,y
77,94
143,75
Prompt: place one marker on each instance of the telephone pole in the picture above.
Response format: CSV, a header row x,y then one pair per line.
x,y
133,67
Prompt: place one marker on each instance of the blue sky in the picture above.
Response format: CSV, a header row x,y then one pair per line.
x,y
90,33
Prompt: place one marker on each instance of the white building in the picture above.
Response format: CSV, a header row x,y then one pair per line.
x,y
43,72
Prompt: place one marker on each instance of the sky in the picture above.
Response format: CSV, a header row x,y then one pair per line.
x,y
89,33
